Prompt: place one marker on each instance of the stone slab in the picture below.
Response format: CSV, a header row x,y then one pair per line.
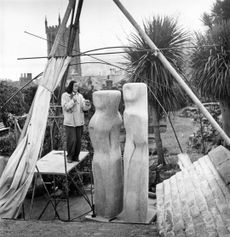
x,y
196,200
151,215
220,158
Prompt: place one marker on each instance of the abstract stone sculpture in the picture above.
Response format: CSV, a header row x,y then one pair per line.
x,y
135,203
104,130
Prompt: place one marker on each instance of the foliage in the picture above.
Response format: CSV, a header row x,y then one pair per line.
x,y
211,66
28,96
164,93
15,105
7,144
220,12
18,105
206,136
146,67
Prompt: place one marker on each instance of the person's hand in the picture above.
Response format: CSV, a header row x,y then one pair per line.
x,y
74,97
87,103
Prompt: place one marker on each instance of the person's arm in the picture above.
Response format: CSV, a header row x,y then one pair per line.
x,y
86,104
67,103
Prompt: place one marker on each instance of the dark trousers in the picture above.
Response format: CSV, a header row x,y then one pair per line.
x,y
73,140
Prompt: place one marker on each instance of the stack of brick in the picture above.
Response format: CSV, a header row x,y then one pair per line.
x,y
196,200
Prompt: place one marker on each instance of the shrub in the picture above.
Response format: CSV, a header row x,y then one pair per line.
x,y
7,144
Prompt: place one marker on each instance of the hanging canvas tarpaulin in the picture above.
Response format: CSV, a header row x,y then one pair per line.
x,y
18,173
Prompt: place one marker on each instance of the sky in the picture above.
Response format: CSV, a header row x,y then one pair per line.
x,y
102,24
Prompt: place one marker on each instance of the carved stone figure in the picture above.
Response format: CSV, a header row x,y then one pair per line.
x,y
136,160
104,130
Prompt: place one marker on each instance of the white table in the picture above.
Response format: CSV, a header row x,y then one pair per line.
x,y
54,164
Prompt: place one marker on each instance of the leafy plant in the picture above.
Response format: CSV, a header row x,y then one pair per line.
x,y
7,144
145,66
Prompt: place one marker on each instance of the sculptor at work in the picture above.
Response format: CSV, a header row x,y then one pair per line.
x,y
73,106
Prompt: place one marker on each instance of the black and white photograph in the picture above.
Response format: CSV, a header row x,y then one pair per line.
x,y
114,118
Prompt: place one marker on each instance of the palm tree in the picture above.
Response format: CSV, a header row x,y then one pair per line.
x,y
212,65
144,65
219,12
212,68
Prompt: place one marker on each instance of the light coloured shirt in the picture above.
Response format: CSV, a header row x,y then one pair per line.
x,y
73,111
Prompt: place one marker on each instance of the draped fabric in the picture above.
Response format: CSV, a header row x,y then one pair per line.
x,y
18,173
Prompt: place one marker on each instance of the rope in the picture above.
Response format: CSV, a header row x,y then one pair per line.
x,y
167,117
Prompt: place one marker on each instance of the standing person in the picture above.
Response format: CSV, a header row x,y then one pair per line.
x,y
73,106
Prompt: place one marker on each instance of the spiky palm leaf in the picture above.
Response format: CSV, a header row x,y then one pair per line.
x,y
221,11
207,20
146,67
212,65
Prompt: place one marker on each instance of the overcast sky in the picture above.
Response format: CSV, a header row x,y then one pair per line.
x,y
101,24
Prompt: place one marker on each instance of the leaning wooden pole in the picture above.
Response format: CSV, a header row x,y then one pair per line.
x,y
167,65
62,28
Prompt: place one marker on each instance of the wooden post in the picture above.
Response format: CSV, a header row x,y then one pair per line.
x,y
174,73
62,28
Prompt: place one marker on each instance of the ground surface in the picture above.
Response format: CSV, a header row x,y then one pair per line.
x,y
48,226
9,228
184,127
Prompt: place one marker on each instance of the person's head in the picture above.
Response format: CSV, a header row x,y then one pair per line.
x,y
72,87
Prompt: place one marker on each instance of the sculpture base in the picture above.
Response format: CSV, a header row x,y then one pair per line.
x,y
97,218
151,215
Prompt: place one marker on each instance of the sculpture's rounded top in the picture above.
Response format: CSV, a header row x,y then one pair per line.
x,y
107,99
110,92
134,91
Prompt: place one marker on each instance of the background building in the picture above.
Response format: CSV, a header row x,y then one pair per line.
x,y
25,78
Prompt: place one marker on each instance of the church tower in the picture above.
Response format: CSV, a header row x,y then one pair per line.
x,y
51,32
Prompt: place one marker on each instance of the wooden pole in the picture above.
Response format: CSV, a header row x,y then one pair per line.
x,y
174,73
62,28
75,27
73,30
